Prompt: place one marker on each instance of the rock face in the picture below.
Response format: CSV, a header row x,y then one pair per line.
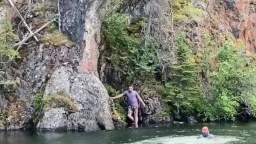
x,y
154,112
72,70
158,13
80,21
237,17
90,97
54,119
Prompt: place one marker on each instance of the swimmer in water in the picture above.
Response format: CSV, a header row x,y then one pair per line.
x,y
206,133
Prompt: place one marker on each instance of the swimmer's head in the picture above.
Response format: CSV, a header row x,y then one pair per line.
x,y
205,131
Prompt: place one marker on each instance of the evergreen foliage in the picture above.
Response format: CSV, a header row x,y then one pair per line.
x,y
128,55
7,40
232,82
183,91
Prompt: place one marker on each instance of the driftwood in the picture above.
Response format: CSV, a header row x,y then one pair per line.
x,y
21,17
19,44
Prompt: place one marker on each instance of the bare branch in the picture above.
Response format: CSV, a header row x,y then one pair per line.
x,y
19,44
21,17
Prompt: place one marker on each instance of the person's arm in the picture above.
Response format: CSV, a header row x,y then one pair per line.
x,y
118,96
140,100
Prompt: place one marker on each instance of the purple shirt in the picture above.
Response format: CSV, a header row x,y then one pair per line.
x,y
132,97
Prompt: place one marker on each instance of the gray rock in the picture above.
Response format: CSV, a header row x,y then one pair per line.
x,y
60,79
191,120
53,119
154,111
91,99
199,4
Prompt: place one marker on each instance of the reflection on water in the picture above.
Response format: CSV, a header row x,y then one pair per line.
x,y
179,134
188,140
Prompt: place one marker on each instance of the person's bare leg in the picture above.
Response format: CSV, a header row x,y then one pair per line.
x,y
130,114
136,117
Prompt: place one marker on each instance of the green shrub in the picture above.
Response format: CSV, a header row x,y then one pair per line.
x,y
7,40
38,102
127,54
232,82
183,91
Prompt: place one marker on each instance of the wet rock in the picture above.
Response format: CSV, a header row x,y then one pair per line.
x,y
54,119
119,123
245,113
230,4
191,120
154,112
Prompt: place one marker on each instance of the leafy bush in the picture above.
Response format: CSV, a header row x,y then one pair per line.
x,y
127,54
232,81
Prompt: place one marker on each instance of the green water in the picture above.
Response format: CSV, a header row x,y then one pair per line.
x,y
180,134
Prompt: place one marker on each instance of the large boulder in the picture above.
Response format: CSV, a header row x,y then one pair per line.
x,y
89,97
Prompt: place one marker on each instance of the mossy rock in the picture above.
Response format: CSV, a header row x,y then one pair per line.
x,y
57,38
57,101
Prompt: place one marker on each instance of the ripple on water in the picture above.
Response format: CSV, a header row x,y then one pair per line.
x,y
188,140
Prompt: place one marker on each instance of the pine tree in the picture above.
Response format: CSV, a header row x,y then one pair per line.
x,y
183,91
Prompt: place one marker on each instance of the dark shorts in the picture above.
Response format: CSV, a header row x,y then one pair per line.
x,y
132,108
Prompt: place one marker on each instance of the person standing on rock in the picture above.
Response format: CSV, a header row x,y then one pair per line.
x,y
134,101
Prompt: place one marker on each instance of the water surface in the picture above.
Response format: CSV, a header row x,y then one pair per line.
x,y
180,134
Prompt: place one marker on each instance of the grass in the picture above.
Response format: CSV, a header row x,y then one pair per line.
x,y
60,101
57,38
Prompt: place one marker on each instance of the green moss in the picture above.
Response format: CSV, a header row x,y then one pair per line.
x,y
57,38
184,11
60,101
